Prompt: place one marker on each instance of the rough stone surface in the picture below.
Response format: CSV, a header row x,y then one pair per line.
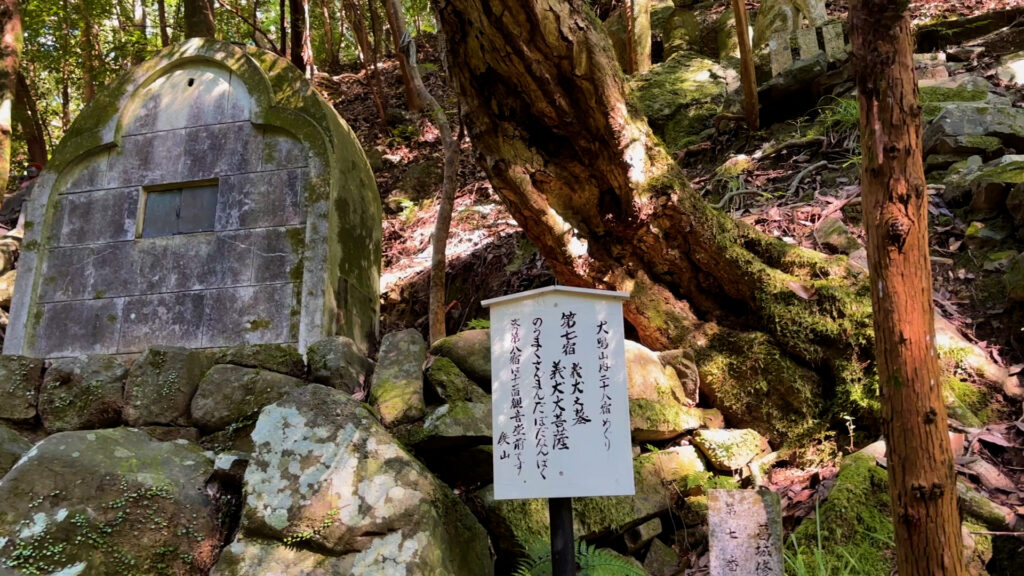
x,y
281,358
326,476
661,560
1015,204
12,446
20,378
397,389
338,363
109,502
229,394
835,237
1014,279
648,379
172,433
448,383
681,32
654,420
456,425
745,532
470,350
676,463
729,449
160,386
82,393
684,362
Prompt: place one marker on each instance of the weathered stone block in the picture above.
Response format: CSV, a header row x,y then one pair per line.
x,y
88,174
728,449
280,358
229,394
252,314
456,425
262,199
82,393
338,363
278,255
160,386
148,160
84,272
448,383
470,350
98,217
397,389
90,326
282,151
194,261
20,378
167,319
221,150
192,96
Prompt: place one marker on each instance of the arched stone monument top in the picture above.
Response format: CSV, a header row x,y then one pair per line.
x,y
209,197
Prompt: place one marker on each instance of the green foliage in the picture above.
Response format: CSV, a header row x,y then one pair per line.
x,y
478,324
840,115
815,562
590,561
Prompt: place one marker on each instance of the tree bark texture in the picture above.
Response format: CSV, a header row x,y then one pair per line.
x,y
397,24
922,481
638,36
545,104
10,60
199,22
27,115
282,7
301,46
161,14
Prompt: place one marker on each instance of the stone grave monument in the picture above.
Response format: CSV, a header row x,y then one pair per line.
x,y
208,198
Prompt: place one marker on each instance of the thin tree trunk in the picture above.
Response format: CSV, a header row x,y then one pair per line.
x,y
259,36
89,43
10,60
140,21
397,24
922,481
376,29
285,48
199,20
446,202
301,48
355,16
747,74
32,128
332,52
161,14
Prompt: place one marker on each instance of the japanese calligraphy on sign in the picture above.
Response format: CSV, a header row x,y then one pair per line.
x,y
560,405
745,532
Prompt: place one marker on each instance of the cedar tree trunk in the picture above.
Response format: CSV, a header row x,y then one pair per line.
x,y
545,104
27,114
354,12
301,49
397,24
199,22
922,482
10,58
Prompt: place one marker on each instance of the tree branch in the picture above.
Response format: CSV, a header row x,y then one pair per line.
x,y
250,23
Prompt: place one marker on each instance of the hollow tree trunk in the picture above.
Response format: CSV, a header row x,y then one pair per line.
x,y
545,105
397,24
10,59
922,482
199,22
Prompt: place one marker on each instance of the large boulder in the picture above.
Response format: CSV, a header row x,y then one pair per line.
x,y
338,363
325,476
20,378
456,425
110,502
160,386
397,389
658,406
12,446
470,350
82,393
728,449
449,384
281,358
228,394
968,109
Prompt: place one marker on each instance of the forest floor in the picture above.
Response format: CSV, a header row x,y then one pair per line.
x,y
798,188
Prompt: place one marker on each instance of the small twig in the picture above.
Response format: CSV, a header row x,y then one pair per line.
x,y
804,172
251,24
987,533
793,144
725,199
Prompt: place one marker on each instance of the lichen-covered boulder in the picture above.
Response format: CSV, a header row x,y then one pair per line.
x,y
681,96
160,385
82,393
674,464
729,449
456,425
338,363
1015,205
397,389
755,385
470,350
968,110
281,358
20,378
109,502
326,476
655,420
229,394
447,382
12,446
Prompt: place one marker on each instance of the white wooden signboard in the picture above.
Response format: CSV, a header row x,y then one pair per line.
x,y
560,404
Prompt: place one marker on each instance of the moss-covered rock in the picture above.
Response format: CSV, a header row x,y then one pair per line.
x,y
470,350
653,420
160,385
338,363
397,388
20,378
755,385
12,446
229,394
447,383
854,521
456,425
82,393
680,97
281,358
111,501
728,449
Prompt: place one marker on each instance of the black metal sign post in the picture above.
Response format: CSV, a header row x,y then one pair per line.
x,y
563,553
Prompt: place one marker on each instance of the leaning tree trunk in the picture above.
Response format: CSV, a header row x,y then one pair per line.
x,y
545,106
397,25
199,22
922,482
10,58
27,114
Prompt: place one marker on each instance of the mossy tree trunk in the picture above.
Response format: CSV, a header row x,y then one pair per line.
x,y
199,22
922,482
545,104
10,59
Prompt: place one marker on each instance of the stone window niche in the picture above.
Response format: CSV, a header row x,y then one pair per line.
x,y
175,209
